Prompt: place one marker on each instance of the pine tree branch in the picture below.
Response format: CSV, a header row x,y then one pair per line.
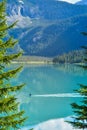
x,y
14,120
77,124
5,27
13,116
2,9
8,44
5,91
6,59
10,73
82,90
8,104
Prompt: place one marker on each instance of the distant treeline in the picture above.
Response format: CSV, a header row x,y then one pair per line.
x,y
76,56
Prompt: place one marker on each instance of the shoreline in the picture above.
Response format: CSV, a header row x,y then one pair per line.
x,y
31,62
38,60
42,63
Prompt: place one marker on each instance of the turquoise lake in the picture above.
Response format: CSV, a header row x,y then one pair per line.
x,y
52,92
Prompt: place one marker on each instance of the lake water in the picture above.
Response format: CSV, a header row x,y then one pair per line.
x,y
52,92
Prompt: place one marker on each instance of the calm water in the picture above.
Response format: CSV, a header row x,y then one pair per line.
x,y
52,93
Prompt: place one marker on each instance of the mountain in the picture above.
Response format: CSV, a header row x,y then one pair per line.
x,y
47,27
44,9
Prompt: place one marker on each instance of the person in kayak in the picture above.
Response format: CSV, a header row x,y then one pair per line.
x,y
30,95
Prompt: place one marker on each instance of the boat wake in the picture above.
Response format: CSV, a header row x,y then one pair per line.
x,y
59,95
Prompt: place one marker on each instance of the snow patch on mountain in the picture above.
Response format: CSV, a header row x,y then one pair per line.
x,y
70,1
20,1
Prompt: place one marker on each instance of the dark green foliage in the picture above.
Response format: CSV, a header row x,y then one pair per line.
x,y
80,110
10,117
71,57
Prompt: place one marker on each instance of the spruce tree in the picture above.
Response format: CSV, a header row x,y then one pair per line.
x,y
80,119
10,117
